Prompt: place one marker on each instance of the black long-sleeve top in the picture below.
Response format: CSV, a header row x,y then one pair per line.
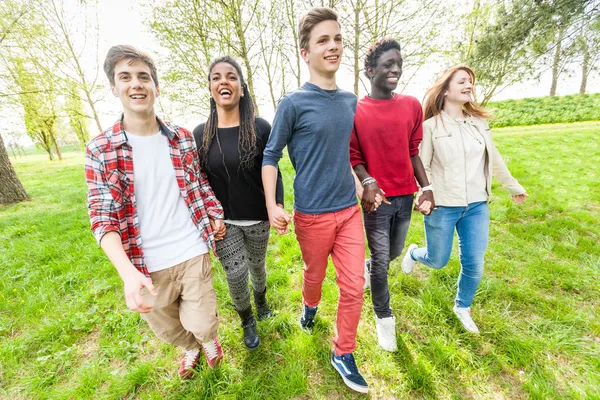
x,y
239,190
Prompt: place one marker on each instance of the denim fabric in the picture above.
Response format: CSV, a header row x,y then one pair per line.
x,y
386,231
472,225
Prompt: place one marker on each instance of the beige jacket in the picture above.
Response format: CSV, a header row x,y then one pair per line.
x,y
443,156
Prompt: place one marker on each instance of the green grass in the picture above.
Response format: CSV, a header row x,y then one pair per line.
x,y
65,332
546,110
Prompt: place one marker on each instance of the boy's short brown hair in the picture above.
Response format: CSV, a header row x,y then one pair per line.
x,y
124,51
310,19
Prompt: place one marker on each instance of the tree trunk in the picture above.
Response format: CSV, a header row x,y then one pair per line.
x,y
585,71
556,64
356,45
53,138
11,188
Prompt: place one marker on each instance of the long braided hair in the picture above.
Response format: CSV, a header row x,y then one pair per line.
x,y
247,136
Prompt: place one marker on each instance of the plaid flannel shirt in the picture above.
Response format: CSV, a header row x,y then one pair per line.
x,y
111,195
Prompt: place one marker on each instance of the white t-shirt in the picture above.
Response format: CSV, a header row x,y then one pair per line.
x,y
169,236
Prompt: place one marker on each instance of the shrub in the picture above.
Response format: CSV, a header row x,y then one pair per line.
x,y
545,110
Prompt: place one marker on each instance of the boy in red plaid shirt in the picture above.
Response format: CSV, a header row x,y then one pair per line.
x,y
156,224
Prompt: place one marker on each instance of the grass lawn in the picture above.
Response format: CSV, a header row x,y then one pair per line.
x,y
65,331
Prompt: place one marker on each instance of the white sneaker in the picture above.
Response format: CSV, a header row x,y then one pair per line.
x,y
408,264
464,316
367,273
386,333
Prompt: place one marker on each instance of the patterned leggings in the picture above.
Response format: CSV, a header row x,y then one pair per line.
x,y
243,250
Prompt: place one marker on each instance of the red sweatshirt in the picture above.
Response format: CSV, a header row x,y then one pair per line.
x,y
386,134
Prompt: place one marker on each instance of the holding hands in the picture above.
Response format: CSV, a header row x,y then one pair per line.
x,y
279,218
425,202
218,228
372,197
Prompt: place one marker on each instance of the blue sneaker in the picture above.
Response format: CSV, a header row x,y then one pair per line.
x,y
346,366
307,321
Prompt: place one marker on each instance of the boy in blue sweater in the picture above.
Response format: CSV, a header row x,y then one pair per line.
x,y
315,122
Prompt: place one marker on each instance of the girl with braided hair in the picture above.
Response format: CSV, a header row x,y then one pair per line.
x,y
230,147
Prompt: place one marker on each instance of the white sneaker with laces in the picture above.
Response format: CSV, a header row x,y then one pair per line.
x,y
408,264
367,273
386,333
464,316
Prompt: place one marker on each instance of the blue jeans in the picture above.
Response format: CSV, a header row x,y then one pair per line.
x,y
386,231
472,225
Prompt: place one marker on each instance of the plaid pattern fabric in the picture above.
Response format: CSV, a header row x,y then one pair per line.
x,y
111,193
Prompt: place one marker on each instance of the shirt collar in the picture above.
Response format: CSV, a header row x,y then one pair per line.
x,y
119,137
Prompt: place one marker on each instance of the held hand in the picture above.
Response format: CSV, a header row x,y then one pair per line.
x,y
279,219
426,202
372,198
360,191
519,198
133,284
218,228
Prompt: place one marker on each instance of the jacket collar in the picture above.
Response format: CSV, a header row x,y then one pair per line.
x,y
451,121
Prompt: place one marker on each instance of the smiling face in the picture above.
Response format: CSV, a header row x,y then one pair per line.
x,y
387,71
135,87
460,88
225,85
324,52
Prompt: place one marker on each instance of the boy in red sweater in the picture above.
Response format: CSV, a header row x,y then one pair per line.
x,y
384,152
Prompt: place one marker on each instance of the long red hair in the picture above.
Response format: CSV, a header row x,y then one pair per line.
x,y
433,102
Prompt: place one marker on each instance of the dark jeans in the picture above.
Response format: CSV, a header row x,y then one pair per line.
x,y
386,231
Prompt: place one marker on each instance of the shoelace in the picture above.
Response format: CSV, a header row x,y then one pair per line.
x,y
211,349
190,358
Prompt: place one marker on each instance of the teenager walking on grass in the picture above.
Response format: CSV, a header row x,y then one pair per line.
x,y
460,158
154,214
384,151
315,122
230,146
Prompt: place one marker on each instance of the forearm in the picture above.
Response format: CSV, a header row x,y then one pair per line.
x,y
279,191
419,170
269,178
361,172
113,248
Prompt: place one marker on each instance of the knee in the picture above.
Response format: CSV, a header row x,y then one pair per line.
x,y
353,290
438,262
473,268
205,330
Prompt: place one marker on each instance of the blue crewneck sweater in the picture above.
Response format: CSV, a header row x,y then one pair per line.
x,y
316,125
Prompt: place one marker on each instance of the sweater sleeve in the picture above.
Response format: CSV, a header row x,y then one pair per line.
x,y
356,154
283,126
265,130
417,133
426,151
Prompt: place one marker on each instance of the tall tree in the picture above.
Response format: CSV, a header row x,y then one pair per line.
x,y
11,188
588,48
67,23
208,29
507,46
37,97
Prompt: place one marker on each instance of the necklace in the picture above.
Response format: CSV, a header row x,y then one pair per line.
x,y
468,130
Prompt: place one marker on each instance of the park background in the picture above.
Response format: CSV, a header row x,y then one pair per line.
x,y
64,328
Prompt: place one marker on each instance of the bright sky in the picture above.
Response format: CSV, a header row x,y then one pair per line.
x,y
121,22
